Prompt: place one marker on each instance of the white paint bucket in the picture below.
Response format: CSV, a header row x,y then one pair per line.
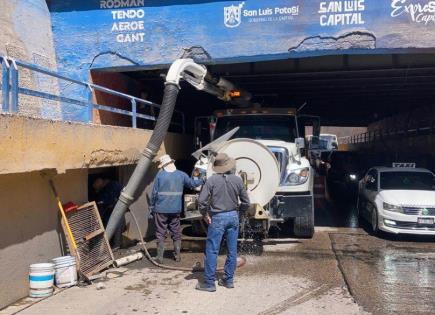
x,y
66,271
41,277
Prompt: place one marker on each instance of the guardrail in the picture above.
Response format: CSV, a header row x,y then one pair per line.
x,y
379,134
11,90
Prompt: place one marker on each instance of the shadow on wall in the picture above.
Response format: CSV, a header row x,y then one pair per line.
x,y
28,208
30,225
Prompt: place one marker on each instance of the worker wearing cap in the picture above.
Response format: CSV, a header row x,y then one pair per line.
x,y
166,204
218,203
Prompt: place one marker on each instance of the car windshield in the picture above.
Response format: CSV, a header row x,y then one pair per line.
x,y
407,180
327,138
323,143
259,127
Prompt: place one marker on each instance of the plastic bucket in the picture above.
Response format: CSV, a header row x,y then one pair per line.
x,y
41,278
66,271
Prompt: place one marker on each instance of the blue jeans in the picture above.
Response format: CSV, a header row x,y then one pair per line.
x,y
226,223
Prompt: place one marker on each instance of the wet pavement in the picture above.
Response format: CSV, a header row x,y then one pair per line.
x,y
342,270
386,274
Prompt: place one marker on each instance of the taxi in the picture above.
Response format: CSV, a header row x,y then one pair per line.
x,y
398,199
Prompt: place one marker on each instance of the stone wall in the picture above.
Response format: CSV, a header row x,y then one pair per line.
x,y
26,35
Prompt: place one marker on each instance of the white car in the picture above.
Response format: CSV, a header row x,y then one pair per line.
x,y
398,200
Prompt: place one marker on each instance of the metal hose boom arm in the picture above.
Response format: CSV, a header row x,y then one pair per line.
x,y
136,183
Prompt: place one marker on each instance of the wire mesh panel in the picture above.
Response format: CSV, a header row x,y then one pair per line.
x,y
93,249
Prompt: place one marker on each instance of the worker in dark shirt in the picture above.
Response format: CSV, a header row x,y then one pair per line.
x,y
107,193
219,205
166,204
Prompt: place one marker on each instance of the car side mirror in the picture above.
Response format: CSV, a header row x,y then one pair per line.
x,y
300,143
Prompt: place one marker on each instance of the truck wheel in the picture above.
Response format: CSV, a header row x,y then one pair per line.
x,y
198,228
304,226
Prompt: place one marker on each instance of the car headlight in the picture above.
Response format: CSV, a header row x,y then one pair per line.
x,y
297,177
353,177
390,207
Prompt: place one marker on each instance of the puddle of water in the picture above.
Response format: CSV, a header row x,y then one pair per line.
x,y
388,277
408,281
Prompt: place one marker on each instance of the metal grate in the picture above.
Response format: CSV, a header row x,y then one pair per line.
x,y
282,156
93,249
418,210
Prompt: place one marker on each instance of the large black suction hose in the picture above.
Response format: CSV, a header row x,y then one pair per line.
x,y
135,185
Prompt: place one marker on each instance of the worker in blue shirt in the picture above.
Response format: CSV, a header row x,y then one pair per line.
x,y
166,204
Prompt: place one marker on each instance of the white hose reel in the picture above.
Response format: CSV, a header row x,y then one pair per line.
x,y
260,165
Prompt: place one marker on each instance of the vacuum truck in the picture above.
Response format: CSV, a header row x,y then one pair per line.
x,y
267,144
268,148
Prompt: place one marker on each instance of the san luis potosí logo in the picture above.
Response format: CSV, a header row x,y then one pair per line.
x,y
235,14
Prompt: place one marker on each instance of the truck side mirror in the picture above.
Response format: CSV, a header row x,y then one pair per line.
x,y
300,143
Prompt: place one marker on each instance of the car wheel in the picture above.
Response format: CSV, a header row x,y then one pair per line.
x,y
358,206
374,221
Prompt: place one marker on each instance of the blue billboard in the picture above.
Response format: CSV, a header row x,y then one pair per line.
x,y
147,33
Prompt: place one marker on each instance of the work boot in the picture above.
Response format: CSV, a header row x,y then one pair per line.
x,y
160,252
226,284
177,250
205,287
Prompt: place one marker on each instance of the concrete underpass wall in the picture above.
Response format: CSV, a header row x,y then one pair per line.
x,y
411,145
418,149
29,144
419,117
26,35
30,231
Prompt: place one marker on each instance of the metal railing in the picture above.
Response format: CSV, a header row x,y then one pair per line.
x,y
381,134
11,90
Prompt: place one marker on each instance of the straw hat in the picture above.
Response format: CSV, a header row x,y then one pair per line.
x,y
167,163
223,163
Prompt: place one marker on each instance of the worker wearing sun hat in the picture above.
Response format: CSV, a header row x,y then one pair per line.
x,y
220,200
166,203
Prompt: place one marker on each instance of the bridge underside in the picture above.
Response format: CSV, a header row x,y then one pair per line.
x,y
345,90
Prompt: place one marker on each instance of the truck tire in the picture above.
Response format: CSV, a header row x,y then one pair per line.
x,y
198,228
304,226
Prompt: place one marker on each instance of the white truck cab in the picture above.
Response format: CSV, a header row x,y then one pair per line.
x,y
277,130
398,200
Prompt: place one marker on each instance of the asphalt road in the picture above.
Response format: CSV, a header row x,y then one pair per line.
x,y
342,270
385,274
